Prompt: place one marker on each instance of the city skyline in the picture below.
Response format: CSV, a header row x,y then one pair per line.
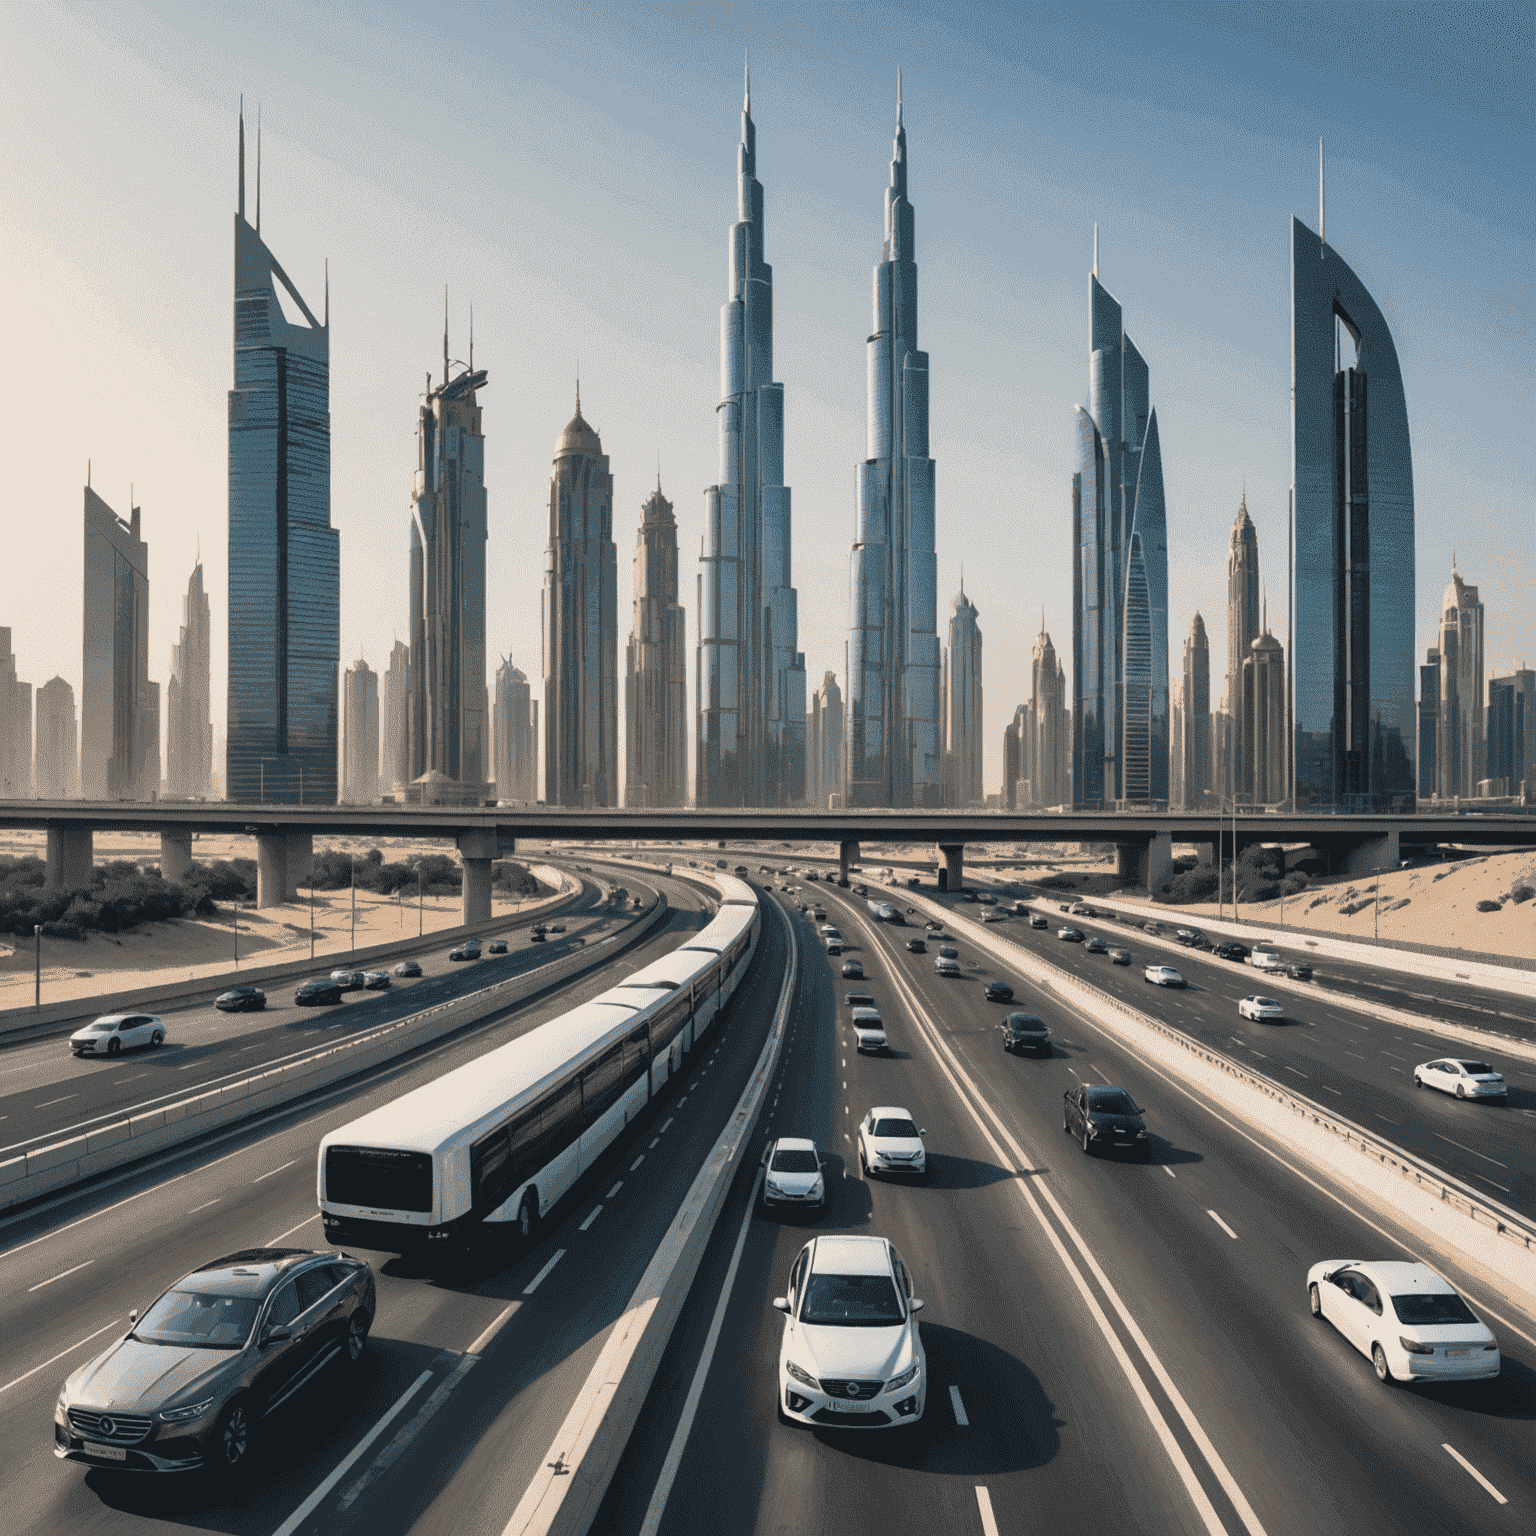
x,y
1366,242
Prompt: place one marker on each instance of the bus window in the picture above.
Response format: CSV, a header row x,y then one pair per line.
x,y
637,1056
602,1085
560,1121
490,1164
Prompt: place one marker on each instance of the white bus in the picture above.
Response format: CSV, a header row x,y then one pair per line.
x,y
502,1138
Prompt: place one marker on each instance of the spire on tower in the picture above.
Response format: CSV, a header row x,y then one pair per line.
x,y
746,99
327,293
898,98
258,168
1322,228
242,157
1095,250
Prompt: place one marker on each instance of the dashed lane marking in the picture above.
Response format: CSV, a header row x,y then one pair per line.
x,y
1224,1227
597,1211
637,1162
48,1102
61,1275
1447,1140
538,1279
959,1407
1337,1093
664,1124
505,1316
1293,1069
1169,1171
1467,1466
52,1359
277,1241
204,1206
268,1174
984,1504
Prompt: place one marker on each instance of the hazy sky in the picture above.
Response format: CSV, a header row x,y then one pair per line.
x,y
570,171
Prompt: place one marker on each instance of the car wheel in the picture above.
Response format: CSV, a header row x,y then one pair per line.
x,y
114,1046
1418,1082
234,1440
528,1218
1383,1370
1315,1300
1460,1091
357,1336
1086,1144
158,1038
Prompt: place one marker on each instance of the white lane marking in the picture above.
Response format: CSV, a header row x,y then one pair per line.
x,y
502,1319
1220,1223
664,1124
984,1504
291,1230
1169,1171
1334,1091
268,1174
612,1192
959,1407
637,1162
25,1375
62,1273
658,1505
204,1206
656,1140
1468,1467
47,1102
1486,1180
1496,1163
1073,1072
307,1508
682,1101
596,1212
538,1279
1381,1116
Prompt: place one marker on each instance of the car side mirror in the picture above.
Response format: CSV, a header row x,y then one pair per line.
x,y
923,1131
916,1304
277,1333
781,1303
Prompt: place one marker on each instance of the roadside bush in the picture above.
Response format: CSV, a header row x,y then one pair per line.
x,y
119,895
1521,893
1490,906
1197,884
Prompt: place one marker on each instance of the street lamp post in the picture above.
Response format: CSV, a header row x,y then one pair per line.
x,y
418,901
354,901
311,913
37,985
1377,935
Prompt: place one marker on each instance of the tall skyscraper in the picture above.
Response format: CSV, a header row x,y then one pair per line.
x,y
1511,743
751,675
119,706
1262,748
15,726
1119,578
1353,572
395,720
1015,795
1243,603
515,735
1049,751
448,534
360,694
57,756
1197,714
827,744
580,622
1429,723
1459,746
656,667
284,556
895,727
962,693
189,723
1176,742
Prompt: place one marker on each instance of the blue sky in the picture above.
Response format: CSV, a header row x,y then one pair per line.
x,y
570,171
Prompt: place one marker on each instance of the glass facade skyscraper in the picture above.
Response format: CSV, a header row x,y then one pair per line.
x,y
895,731
284,556
1353,569
656,667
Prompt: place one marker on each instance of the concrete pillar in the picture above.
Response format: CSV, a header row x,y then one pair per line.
x,y
1363,858
71,858
952,876
846,854
1205,853
1128,862
175,855
476,851
271,868
299,863
1158,863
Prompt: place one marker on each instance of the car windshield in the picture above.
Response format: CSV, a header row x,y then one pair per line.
x,y
855,1301
1112,1102
1024,1021
103,1029
1476,1068
894,1127
795,1160
198,1320
1419,1308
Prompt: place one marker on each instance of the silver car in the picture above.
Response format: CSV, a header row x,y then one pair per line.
x,y
192,1381
115,1032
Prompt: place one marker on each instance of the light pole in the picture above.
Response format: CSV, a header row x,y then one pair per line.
x,y
354,901
37,985
311,910
418,901
1377,935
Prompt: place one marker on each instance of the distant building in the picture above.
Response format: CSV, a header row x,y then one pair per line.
x,y
514,736
1244,600
1262,755
15,727
1511,740
827,745
360,706
57,751
1196,715
1459,746
395,721
1016,734
962,692
189,722
1429,723
1048,751
656,667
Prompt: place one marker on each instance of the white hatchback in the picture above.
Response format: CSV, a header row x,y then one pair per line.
x,y
1465,1079
1405,1319
1261,1008
114,1032
890,1142
851,1356
1163,976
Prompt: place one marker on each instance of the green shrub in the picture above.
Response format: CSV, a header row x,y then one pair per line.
x,y
1490,906
1521,893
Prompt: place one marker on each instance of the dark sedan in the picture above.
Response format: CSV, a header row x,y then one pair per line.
x,y
917,947
192,1381
321,990
1299,970
241,1000
407,968
999,992
1024,1032
1231,950
1101,1116
496,947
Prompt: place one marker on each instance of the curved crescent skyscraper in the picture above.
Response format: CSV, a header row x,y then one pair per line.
x,y
751,675
895,746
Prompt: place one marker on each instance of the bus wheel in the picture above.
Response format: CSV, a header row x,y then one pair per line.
x,y
528,1217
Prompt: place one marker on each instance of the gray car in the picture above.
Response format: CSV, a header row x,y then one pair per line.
x,y
190,1383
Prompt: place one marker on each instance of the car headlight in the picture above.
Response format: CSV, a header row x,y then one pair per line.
x,y
774,1187
804,1377
188,1411
907,1377
817,1186
1414,1347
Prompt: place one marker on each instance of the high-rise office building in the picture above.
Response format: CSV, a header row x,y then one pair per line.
x,y
1459,740
360,705
284,556
448,535
1243,603
15,726
514,735
188,712
1119,578
1429,722
1049,751
119,706
750,747
395,720
827,744
1353,573
1511,741
962,695
1175,742
656,667
57,755
1262,712
1015,795
895,725
1196,706
580,624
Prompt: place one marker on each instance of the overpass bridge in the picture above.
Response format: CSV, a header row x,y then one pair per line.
x,y
284,834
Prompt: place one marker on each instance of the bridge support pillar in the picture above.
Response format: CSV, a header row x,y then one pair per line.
x,y
1149,864
298,863
271,868
1373,853
175,855
952,876
846,854
71,858
476,851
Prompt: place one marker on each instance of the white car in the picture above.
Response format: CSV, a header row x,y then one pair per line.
x,y
869,1030
114,1032
1261,1008
1163,976
1466,1079
1266,960
1405,1319
831,931
890,1142
852,1354
944,966
792,1174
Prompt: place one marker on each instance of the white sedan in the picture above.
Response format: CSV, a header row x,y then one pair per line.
x,y
851,1355
1407,1321
1261,1008
1163,976
890,1142
114,1032
1466,1079
792,1174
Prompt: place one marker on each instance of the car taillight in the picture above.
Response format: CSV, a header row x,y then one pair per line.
x,y
1414,1347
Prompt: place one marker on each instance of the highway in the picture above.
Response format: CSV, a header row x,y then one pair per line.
x,y
1111,1346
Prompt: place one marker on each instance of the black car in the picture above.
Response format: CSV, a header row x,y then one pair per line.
x,y
917,947
999,992
1024,1032
1102,1116
1039,920
1231,950
321,990
859,999
1299,970
496,947
241,1000
537,933
407,968
560,927
1187,936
